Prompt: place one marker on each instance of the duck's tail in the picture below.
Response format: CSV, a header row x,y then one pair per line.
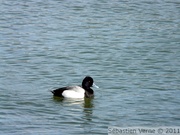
x,y
52,91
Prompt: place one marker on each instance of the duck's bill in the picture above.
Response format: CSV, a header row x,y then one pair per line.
x,y
94,85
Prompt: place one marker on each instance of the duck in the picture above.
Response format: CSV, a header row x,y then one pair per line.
x,y
77,91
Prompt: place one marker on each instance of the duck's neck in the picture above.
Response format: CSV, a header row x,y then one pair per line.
x,y
89,93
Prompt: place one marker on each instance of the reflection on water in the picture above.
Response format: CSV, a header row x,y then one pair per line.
x,y
88,103
82,108
88,108
85,102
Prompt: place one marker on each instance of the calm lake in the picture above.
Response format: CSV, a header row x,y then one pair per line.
x,y
130,48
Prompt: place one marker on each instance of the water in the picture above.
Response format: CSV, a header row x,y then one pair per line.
x,y
130,48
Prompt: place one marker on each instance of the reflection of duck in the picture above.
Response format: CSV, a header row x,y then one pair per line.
x,y
77,91
84,106
69,101
86,102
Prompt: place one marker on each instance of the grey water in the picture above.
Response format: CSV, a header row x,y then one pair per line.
x,y
130,48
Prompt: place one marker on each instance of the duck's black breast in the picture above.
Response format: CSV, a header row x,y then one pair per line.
x,y
58,92
89,93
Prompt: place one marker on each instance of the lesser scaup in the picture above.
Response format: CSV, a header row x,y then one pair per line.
x,y
77,91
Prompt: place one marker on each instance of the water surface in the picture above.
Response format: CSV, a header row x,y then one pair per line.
x,y
130,48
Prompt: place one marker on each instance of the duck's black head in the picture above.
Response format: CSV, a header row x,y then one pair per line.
x,y
87,82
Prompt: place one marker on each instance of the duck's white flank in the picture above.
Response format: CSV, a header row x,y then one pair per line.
x,y
74,92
